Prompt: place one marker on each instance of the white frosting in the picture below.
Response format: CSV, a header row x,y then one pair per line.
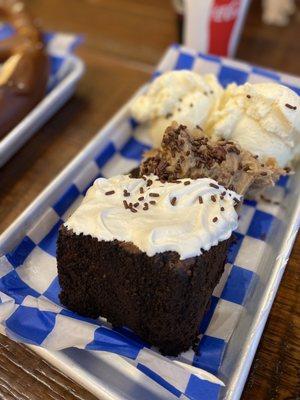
x,y
182,96
186,227
258,118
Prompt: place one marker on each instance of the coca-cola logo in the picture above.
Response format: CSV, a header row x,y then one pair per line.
x,y
225,12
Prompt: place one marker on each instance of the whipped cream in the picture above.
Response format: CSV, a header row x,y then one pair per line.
x,y
264,118
186,217
182,96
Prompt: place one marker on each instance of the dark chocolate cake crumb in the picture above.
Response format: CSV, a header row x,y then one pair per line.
x,y
110,192
290,106
264,173
173,201
214,185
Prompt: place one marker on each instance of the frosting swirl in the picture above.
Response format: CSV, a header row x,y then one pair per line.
x,y
187,216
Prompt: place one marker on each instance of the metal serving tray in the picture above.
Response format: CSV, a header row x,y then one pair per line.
x,y
54,100
111,377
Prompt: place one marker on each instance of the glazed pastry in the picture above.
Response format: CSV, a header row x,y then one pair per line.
x,y
147,255
24,74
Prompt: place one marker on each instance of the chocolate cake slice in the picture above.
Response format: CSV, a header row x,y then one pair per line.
x,y
147,255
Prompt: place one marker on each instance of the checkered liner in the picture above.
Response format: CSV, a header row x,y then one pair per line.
x,y
59,47
31,311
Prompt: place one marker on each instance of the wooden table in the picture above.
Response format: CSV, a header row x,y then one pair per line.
x,y
124,40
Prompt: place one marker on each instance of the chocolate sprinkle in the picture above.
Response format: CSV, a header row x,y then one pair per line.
x,y
248,96
146,207
213,198
141,198
110,192
200,200
153,195
169,115
214,185
222,209
215,219
141,190
125,204
152,202
173,201
126,193
186,183
290,106
199,127
149,182
136,204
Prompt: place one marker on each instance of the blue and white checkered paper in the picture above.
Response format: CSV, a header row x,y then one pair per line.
x,y
59,47
30,310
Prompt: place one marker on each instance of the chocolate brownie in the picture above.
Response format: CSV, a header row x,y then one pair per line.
x,y
145,276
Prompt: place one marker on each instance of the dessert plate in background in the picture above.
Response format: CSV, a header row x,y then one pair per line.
x,y
241,303
65,72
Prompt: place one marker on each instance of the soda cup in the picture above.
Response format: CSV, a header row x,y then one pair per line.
x,y
213,26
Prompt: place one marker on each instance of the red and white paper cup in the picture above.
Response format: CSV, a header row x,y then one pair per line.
x,y
213,26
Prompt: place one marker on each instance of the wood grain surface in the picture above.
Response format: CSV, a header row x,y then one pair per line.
x,y
123,41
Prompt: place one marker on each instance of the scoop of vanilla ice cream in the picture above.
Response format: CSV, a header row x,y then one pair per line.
x,y
181,96
264,118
